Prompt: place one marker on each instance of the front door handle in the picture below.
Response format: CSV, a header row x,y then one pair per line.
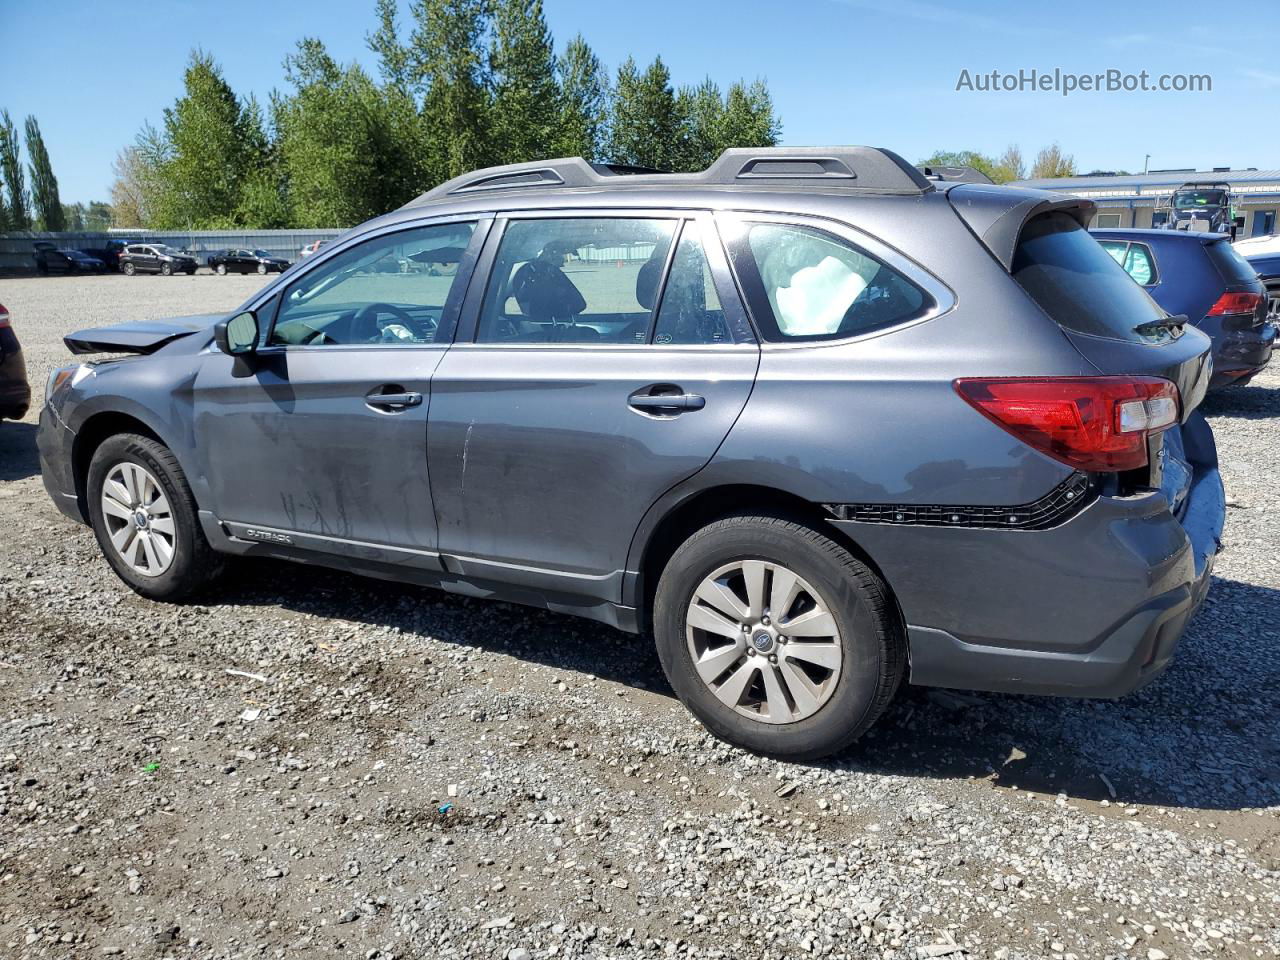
x,y
666,403
393,401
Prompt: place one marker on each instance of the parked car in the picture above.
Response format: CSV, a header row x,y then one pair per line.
x,y
1201,277
815,422
155,258
15,394
246,261
312,247
51,259
108,253
1267,267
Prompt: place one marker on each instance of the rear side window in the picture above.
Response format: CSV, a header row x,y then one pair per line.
x,y
807,284
1077,283
1233,267
1136,259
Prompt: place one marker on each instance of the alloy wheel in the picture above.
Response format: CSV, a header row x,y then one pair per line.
x,y
764,641
138,519
1273,306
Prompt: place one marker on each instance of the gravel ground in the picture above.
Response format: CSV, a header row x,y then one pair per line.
x,y
400,773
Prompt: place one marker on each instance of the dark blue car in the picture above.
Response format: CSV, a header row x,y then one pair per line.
x,y
1200,276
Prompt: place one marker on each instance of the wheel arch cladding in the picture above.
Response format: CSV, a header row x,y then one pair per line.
x,y
687,515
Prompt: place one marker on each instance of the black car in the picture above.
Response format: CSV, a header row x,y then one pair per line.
x,y
15,394
246,261
155,258
1267,266
50,259
109,253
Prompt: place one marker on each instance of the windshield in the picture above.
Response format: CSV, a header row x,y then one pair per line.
x,y
165,249
1078,283
1191,199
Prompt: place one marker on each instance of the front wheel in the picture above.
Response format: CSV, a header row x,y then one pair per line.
x,y
776,637
144,517
262,268
222,269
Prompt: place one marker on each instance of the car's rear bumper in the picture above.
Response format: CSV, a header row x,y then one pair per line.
x,y
1093,607
15,392
1239,354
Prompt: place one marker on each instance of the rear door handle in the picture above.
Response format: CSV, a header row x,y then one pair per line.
x,y
393,401
666,403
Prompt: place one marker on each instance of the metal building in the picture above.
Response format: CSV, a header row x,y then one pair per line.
x,y
1142,200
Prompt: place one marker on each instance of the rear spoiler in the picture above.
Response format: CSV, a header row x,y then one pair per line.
x,y
141,337
996,215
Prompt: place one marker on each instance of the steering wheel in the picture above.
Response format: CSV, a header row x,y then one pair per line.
x,y
367,317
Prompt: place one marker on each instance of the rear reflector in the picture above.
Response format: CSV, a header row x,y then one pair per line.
x,y
1100,424
1231,303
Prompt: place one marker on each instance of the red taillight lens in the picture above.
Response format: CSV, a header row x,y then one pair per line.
x,y
1091,423
4,316
1230,303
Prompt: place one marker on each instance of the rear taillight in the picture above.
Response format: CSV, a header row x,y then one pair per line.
x,y
1099,424
4,316
1230,303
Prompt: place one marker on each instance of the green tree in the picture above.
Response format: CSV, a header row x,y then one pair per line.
x,y
44,185
18,213
1051,162
211,148
749,119
701,111
346,147
137,186
394,60
962,158
1009,165
448,62
525,96
645,129
584,103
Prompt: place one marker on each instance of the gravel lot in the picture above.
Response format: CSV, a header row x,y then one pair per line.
x,y
407,774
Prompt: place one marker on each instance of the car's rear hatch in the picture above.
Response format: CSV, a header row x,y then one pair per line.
x,y
1119,329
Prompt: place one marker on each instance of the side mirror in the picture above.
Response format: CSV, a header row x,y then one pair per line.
x,y
238,336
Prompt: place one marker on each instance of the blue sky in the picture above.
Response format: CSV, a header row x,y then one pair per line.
x,y
880,72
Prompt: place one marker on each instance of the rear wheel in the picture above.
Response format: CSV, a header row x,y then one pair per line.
x,y
262,268
1273,304
144,517
129,269
776,637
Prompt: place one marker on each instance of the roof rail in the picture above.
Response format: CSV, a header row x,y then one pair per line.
x,y
934,171
861,169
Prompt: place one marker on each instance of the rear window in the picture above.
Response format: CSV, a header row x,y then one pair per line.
x,y
1233,267
1078,283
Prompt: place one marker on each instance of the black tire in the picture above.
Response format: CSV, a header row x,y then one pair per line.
x,y
874,648
129,269
166,269
262,269
1273,303
195,564
222,269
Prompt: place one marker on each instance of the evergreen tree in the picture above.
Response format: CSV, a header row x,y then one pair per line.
x,y
646,130
17,210
73,217
584,103
702,112
449,63
393,57
749,120
44,185
210,147
525,97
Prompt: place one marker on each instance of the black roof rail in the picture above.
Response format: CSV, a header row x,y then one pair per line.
x,y
953,174
860,169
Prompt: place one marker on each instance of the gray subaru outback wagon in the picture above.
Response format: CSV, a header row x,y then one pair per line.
x,y
815,421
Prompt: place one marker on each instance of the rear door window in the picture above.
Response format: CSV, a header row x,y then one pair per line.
x,y
1078,283
1136,259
